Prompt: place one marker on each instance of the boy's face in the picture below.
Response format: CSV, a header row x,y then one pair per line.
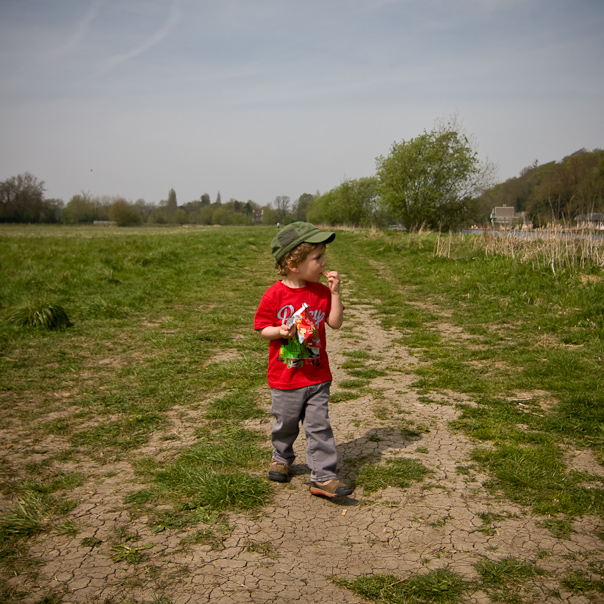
x,y
312,267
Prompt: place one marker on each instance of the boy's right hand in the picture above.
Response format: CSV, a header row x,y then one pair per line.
x,y
287,332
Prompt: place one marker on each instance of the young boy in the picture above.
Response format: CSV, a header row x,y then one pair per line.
x,y
298,371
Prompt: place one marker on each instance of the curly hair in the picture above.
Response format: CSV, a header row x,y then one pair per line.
x,y
296,256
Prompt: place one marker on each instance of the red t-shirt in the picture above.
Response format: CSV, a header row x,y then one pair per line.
x,y
280,302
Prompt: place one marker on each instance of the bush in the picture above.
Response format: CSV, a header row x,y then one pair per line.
x,y
124,213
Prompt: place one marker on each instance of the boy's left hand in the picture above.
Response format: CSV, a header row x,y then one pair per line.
x,y
333,281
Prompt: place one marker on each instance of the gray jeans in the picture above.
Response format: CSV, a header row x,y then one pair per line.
x,y
309,406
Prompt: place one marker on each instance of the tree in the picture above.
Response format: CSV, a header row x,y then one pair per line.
x,y
171,205
51,211
80,208
281,205
269,215
431,180
353,202
22,199
573,186
124,213
144,209
301,206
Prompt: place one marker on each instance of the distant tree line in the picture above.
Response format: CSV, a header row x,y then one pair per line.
x,y
433,181
555,192
22,201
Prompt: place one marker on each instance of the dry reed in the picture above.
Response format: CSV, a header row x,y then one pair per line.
x,y
553,249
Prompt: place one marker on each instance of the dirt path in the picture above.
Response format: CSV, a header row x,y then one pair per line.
x,y
287,551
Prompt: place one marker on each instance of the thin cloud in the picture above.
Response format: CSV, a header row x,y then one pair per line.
x,y
161,34
80,33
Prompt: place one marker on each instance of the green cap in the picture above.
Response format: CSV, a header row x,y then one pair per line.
x,y
296,233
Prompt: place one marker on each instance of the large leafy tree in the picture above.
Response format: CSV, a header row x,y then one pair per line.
x,y
22,199
431,180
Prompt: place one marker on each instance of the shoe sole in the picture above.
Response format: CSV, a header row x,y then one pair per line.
x,y
277,476
320,492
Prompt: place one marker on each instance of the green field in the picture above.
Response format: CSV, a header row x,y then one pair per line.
x,y
160,320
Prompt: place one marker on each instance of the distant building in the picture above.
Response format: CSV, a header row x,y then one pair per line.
x,y
505,216
593,221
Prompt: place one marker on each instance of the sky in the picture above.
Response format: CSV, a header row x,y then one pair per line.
x,y
263,98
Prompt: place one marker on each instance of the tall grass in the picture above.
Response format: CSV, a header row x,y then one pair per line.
x,y
553,249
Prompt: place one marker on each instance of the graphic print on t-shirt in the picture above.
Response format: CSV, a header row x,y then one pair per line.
x,y
305,345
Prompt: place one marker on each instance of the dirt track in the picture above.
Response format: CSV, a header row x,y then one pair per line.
x,y
287,551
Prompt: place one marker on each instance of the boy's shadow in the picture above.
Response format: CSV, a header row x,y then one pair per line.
x,y
368,448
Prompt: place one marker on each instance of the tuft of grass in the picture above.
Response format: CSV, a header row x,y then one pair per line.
x,y
357,354
368,373
26,518
32,513
183,516
264,548
579,582
487,522
340,397
535,475
561,528
353,384
124,434
219,491
440,586
399,473
40,315
206,479
129,553
206,537
507,572
235,406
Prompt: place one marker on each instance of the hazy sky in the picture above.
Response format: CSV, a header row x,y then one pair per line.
x,y
260,98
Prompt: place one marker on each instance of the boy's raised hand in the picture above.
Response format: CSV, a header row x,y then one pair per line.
x,y
333,281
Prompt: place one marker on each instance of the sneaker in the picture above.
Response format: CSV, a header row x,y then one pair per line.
x,y
331,488
278,471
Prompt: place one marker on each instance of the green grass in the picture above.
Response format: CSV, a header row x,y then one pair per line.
x,y
524,329
579,582
159,328
146,312
507,580
503,573
439,586
395,473
342,396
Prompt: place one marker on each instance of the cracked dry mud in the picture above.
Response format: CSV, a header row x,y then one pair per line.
x,y
287,551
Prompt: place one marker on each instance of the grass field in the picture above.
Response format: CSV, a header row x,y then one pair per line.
x,y
106,332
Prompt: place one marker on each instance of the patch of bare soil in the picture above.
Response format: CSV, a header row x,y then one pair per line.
x,y
288,551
